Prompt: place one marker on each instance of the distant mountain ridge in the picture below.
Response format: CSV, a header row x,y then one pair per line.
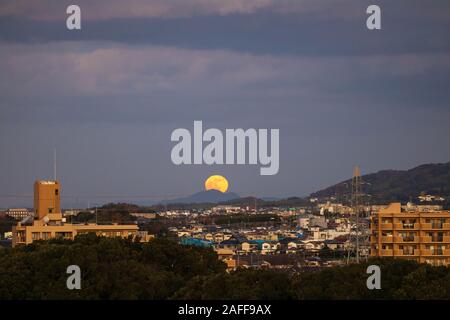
x,y
397,185
383,186
210,196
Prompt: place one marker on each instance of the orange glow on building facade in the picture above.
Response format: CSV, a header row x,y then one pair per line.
x,y
49,223
420,236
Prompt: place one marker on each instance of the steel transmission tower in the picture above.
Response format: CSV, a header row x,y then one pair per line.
x,y
359,223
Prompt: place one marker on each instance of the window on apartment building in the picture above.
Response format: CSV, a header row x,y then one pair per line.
x,y
63,235
21,236
437,236
437,223
436,262
45,235
407,236
35,236
439,262
50,210
56,192
437,250
408,223
408,250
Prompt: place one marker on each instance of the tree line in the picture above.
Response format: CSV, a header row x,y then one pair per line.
x,y
113,268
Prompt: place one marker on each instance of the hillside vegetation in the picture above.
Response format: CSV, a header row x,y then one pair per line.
x,y
397,185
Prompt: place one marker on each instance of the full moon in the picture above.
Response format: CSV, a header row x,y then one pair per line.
x,y
216,182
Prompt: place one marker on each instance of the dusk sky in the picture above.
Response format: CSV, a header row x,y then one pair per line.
x,y
108,97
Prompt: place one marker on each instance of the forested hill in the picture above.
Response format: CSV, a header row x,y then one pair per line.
x,y
398,185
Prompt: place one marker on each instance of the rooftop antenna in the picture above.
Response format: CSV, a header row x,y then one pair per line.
x,y
54,164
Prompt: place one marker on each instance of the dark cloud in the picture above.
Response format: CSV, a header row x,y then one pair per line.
x,y
337,29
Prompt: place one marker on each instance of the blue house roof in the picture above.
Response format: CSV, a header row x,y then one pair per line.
x,y
195,242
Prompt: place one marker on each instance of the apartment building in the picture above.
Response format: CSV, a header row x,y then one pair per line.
x,y
49,223
416,235
18,213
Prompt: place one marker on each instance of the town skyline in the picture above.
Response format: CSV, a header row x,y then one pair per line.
x,y
221,185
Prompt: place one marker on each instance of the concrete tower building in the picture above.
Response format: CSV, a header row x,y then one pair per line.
x,y
49,223
46,199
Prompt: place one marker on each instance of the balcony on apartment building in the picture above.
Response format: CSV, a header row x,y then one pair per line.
x,y
407,226
425,226
435,226
387,239
407,253
438,239
400,239
386,252
435,252
386,226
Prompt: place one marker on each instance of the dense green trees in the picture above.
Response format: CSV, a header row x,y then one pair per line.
x,y
347,282
400,279
242,284
163,269
111,269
